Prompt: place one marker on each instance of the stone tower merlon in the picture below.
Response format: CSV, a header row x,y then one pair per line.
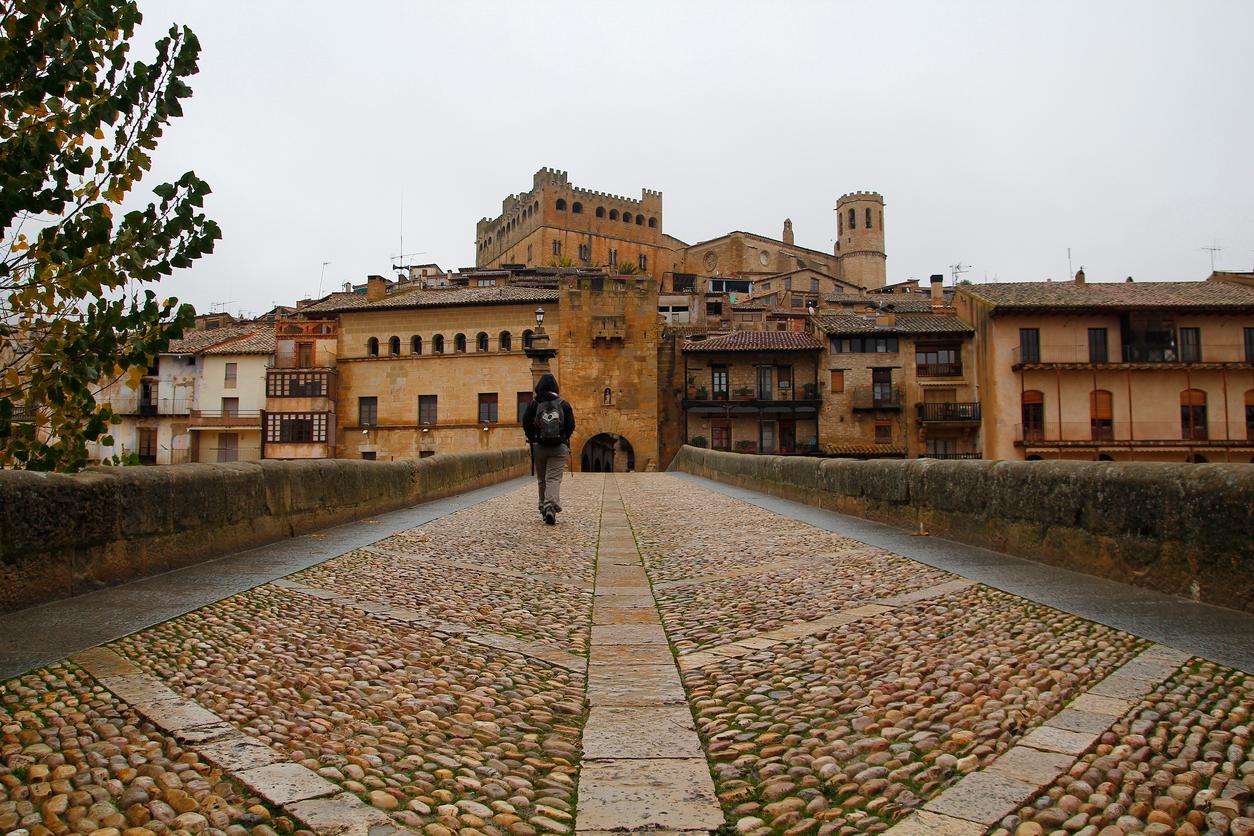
x,y
860,239
788,237
549,175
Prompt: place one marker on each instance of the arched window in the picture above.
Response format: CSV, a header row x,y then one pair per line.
x,y
840,224
527,335
600,212
481,341
868,218
639,220
626,217
437,344
372,346
415,344
503,342
576,208
536,206
459,344
1101,415
652,223
853,219
613,214
394,346
1033,415
560,205
1193,415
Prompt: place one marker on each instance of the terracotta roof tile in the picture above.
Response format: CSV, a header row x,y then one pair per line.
x,y
434,298
906,324
261,341
194,342
756,341
1116,295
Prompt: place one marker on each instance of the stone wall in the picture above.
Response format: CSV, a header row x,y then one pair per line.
x,y
1183,529
62,535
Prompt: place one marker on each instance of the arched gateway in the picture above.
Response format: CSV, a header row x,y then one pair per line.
x,y
607,453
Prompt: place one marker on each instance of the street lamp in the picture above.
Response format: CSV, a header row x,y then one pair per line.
x,y
539,317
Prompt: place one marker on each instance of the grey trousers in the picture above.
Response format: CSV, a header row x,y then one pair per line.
x,y
550,463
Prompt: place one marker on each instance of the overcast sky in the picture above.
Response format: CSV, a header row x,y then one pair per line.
x,y
999,133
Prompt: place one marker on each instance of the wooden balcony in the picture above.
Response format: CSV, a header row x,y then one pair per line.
x,y
230,420
949,413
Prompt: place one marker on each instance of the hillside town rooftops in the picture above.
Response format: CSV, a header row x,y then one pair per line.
x,y
1044,296
756,341
261,341
194,342
909,323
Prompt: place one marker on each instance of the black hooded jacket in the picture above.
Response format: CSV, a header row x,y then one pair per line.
x,y
546,390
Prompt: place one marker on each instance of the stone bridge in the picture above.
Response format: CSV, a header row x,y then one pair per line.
x,y
676,656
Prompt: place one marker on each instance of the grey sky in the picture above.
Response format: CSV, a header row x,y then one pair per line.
x,y
1000,133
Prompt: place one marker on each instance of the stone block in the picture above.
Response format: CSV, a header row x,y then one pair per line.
x,y
629,654
625,615
614,634
1031,766
924,823
238,752
646,794
663,731
981,797
284,783
343,815
1050,739
634,685
1073,719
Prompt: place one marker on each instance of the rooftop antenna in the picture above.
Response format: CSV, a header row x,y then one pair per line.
x,y
220,307
1212,249
956,270
321,276
1070,270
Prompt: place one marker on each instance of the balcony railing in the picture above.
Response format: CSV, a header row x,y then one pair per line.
x,y
228,419
1215,433
939,370
1055,354
951,456
965,412
876,397
137,405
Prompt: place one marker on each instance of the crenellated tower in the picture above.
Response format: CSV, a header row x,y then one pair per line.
x,y
860,239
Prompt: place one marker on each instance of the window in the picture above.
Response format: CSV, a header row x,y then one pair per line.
x,y
415,344
1097,346
1101,415
232,372
788,284
1191,345
527,337
1033,415
585,252
639,220
600,212
304,355
865,345
1193,415
286,384
437,344
783,380
1029,345
766,435
883,430
882,393
853,219
228,447
766,377
838,380
868,219
394,346
798,301
938,361
425,454
720,434
643,262
230,407
1249,345
814,285
626,217
367,412
613,214
652,223
718,383
427,413
613,257
481,341
1249,414
557,248
560,205
576,208
146,445
504,342
524,398
369,455
713,308
487,408
296,426
459,344
372,347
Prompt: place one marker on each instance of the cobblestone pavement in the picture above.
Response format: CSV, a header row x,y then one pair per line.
x,y
437,681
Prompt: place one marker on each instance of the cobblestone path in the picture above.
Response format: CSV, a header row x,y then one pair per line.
x,y
667,659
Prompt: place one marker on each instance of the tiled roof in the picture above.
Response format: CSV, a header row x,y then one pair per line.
x,y
261,341
197,341
1116,295
434,298
905,324
757,341
871,450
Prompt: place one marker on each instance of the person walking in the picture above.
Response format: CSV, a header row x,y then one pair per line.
x,y
549,422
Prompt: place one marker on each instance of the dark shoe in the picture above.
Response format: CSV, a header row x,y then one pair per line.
x,y
550,518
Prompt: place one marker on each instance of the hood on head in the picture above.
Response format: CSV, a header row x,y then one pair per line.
x,y
547,384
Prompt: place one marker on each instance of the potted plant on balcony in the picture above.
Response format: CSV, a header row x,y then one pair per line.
x,y
744,393
746,446
809,391
698,441
702,393
692,388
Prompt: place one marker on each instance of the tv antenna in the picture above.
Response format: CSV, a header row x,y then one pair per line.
x,y
321,276
1212,249
220,307
956,270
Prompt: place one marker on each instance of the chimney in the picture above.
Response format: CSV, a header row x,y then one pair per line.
x,y
1079,276
376,288
886,315
938,290
1128,280
788,231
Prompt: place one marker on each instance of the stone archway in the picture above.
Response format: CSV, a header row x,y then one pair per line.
x,y
607,453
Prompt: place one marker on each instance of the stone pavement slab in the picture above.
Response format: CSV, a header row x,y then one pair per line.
x,y
1031,766
981,797
284,783
925,823
658,731
650,794
618,634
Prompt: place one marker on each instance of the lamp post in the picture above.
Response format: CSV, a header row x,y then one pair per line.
x,y
539,350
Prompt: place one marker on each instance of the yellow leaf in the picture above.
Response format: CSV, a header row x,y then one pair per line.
x,y
98,134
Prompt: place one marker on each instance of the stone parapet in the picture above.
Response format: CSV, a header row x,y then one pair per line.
x,y
62,535
1183,529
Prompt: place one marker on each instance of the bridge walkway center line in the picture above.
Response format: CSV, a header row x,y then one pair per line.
x,y
643,765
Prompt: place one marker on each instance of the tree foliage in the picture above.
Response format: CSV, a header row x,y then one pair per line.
x,y
79,120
